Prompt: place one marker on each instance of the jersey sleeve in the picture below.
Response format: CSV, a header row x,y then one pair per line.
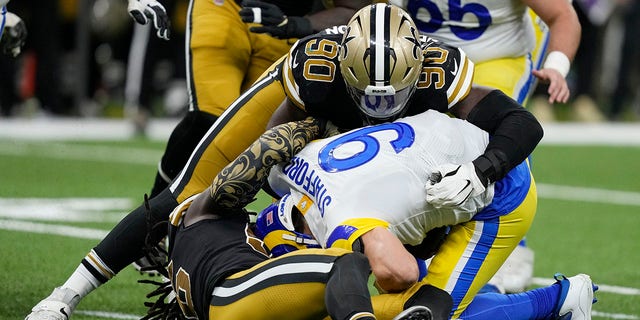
x,y
348,231
290,68
446,70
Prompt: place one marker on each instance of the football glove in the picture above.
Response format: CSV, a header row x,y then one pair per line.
x,y
451,184
14,35
144,10
274,21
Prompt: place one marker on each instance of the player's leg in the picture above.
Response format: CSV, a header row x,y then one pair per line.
x,y
220,68
243,122
515,79
122,245
572,296
216,67
334,283
125,242
182,141
473,251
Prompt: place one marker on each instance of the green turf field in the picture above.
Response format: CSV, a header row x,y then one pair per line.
x,y
588,220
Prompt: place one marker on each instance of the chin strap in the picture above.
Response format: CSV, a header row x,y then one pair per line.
x,y
300,240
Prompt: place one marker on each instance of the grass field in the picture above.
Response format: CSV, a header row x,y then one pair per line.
x,y
57,200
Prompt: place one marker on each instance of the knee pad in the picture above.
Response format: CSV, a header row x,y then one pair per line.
x,y
437,300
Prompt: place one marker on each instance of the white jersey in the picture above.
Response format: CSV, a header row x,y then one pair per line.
x,y
485,30
375,176
3,3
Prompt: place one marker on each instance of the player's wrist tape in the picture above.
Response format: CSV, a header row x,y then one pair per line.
x,y
558,61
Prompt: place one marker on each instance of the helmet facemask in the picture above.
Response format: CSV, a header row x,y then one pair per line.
x,y
381,61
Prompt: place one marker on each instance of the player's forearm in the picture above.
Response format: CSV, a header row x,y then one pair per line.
x,y
564,34
514,131
237,184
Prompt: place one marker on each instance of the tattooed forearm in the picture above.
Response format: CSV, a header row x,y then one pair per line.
x,y
238,183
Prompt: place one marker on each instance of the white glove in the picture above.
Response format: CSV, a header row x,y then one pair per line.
x,y
452,184
14,35
143,10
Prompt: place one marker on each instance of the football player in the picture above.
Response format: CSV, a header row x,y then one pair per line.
x,y
370,190
352,75
219,270
224,59
13,31
508,41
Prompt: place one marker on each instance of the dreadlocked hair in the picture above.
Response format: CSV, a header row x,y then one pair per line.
x,y
165,306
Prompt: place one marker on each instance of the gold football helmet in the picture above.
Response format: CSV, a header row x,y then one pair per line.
x,y
381,60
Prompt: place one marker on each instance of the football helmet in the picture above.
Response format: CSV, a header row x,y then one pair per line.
x,y
276,226
381,61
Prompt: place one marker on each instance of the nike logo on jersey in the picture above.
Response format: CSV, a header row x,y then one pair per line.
x,y
294,64
455,67
64,313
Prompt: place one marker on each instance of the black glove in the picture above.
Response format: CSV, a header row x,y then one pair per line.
x,y
14,35
274,21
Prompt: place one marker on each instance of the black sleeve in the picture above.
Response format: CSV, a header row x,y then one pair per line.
x,y
514,133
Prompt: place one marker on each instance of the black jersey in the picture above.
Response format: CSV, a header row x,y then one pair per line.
x,y
207,251
312,79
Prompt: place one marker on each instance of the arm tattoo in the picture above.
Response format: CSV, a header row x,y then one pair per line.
x,y
237,184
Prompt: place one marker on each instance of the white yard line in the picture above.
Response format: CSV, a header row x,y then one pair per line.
x,y
55,229
606,133
81,129
107,315
110,154
67,209
614,315
550,191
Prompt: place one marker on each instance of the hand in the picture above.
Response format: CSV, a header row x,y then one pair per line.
x,y
558,87
452,184
274,21
14,35
143,10
330,130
